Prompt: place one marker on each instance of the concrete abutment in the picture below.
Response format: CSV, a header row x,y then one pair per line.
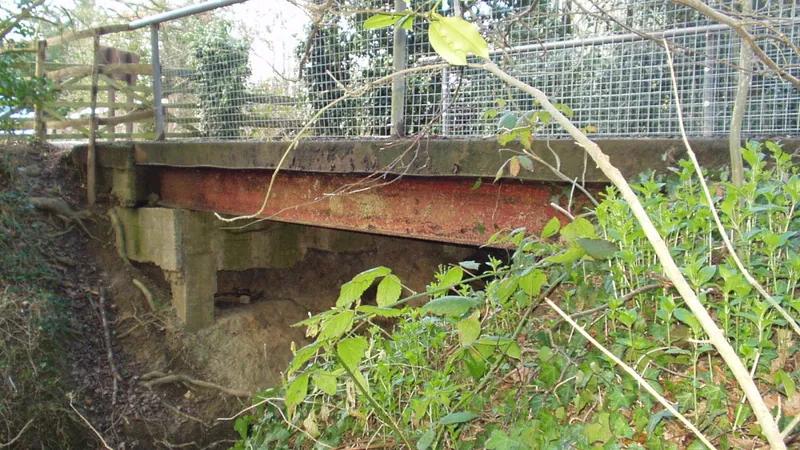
x,y
192,248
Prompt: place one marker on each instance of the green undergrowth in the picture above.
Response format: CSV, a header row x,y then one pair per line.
x,y
487,364
34,321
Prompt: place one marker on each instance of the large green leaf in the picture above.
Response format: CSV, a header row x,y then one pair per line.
x,y
572,253
487,345
598,248
296,391
469,329
351,291
451,305
459,417
578,228
389,290
325,381
352,350
337,325
454,38
532,282
302,355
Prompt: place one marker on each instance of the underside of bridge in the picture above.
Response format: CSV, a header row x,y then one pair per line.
x,y
337,196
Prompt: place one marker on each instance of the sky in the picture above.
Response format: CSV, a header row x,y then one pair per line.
x,y
275,28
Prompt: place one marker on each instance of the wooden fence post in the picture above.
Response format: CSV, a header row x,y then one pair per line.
x,y
91,154
399,56
40,130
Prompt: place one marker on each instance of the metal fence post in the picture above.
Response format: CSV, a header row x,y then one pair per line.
x,y
40,130
399,57
158,90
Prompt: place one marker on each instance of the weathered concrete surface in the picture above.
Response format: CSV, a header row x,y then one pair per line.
x,y
451,158
191,247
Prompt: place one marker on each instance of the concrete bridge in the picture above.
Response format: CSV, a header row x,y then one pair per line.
x,y
166,194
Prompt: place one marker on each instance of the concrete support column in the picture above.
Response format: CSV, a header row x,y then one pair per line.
x,y
182,243
194,287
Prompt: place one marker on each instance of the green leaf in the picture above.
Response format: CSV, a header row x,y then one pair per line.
x,y
488,344
551,228
336,326
389,290
499,440
532,283
526,162
408,22
302,355
507,121
786,380
688,318
459,417
454,38
451,305
452,277
351,351
371,274
469,329
578,228
351,291
470,265
296,391
426,439
381,21
477,184
381,312
706,273
566,110
598,248
325,381
571,254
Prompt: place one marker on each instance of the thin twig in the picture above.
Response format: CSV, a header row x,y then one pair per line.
x,y
721,228
628,369
22,431
97,433
116,377
155,378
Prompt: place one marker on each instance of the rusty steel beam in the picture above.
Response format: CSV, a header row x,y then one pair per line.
x,y
436,209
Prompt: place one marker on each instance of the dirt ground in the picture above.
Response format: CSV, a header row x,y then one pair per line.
x,y
246,349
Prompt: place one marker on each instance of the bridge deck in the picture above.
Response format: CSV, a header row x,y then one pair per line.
x,y
328,184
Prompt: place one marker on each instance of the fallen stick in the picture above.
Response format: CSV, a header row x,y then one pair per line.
x,y
156,378
107,334
146,292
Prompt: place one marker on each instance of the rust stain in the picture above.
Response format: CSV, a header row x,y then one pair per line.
x,y
436,209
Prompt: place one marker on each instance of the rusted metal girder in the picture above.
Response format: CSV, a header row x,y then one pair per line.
x,y
436,209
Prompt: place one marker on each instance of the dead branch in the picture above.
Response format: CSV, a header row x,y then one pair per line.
x,y
740,27
89,424
147,294
110,351
155,378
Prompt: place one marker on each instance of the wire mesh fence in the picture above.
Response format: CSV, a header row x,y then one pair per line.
x,y
603,59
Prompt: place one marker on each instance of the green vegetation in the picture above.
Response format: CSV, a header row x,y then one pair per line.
x,y
490,366
34,324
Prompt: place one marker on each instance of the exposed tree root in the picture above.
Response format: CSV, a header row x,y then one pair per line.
x,y
62,209
155,378
146,292
119,236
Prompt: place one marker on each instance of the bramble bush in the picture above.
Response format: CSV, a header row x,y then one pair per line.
x,y
484,364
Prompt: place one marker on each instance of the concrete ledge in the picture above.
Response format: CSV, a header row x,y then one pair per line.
x,y
437,158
